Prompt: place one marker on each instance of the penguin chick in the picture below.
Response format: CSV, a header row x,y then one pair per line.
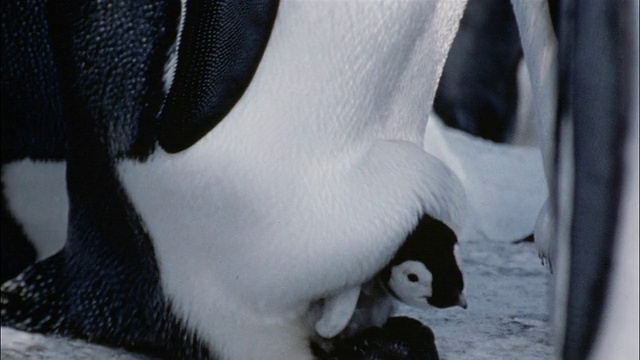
x,y
407,278
426,270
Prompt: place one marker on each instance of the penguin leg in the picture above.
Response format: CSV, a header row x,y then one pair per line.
x,y
31,301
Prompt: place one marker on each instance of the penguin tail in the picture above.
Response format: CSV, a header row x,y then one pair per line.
x,y
32,301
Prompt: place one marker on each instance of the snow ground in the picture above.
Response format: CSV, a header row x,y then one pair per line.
x,y
507,291
506,284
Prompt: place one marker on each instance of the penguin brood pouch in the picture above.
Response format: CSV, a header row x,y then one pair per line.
x,y
225,163
425,272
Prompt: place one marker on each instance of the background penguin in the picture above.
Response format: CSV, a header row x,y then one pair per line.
x,y
124,109
590,147
478,91
597,153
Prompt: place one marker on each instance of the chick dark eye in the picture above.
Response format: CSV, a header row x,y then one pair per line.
x,y
412,277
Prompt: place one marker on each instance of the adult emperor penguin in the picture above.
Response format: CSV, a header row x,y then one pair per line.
x,y
218,185
590,137
597,181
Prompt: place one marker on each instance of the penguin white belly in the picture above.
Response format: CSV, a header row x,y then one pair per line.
x,y
36,194
311,182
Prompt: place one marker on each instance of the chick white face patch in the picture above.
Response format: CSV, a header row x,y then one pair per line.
x,y
411,282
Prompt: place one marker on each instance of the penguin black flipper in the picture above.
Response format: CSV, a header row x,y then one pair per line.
x,y
220,46
113,57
